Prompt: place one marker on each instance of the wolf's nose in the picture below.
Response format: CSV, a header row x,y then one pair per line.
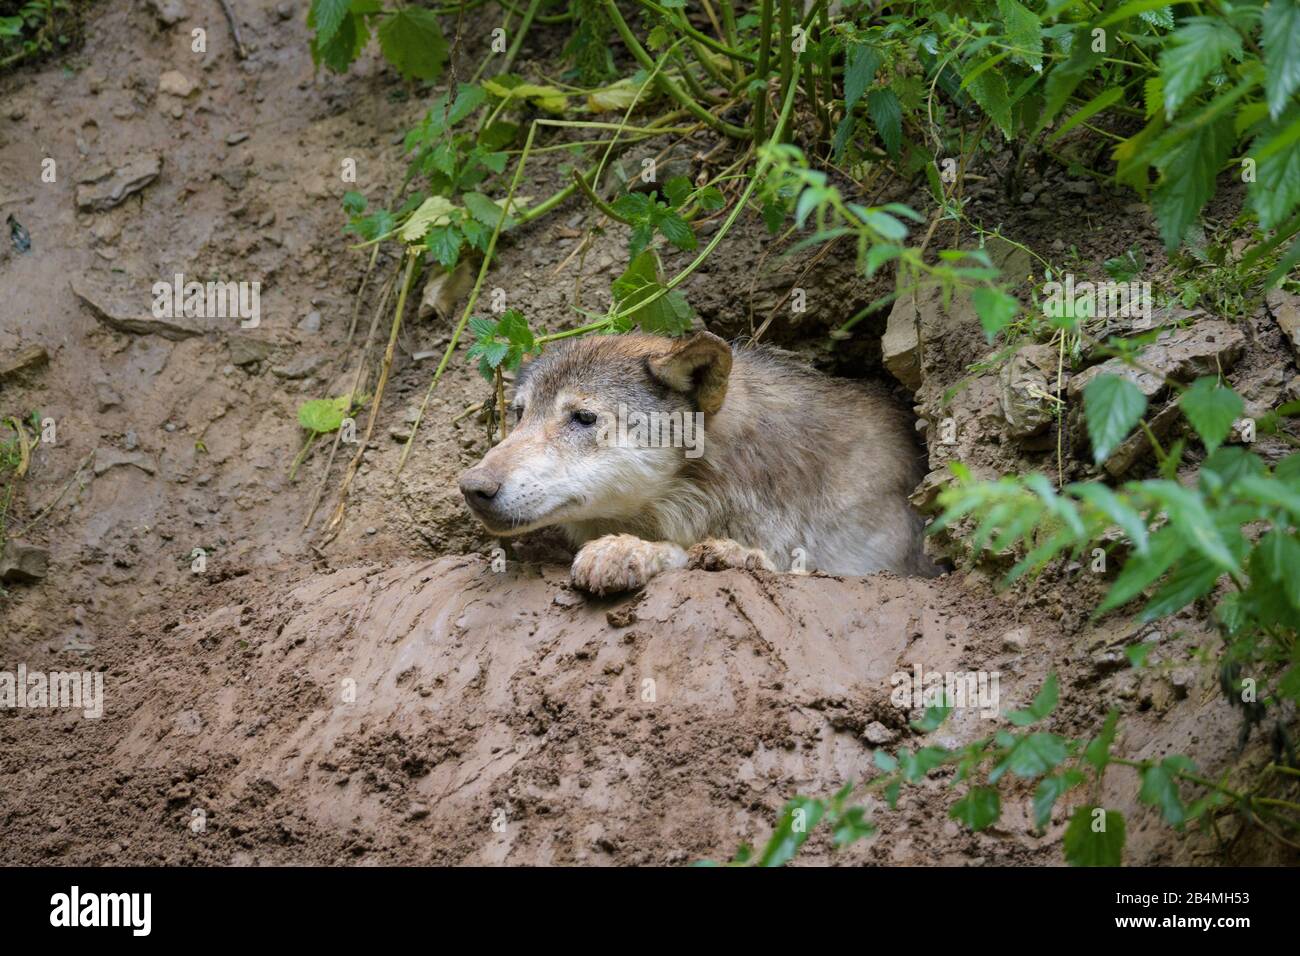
x,y
478,485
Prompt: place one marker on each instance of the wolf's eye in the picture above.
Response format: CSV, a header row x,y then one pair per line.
x,y
584,417
519,411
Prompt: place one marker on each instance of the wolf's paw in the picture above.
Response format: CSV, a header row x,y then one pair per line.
x,y
622,562
717,554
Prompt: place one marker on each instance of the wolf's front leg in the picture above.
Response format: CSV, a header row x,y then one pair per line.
x,y
622,562
717,554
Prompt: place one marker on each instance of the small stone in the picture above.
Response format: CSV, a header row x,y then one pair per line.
x,y
176,83
106,458
104,187
372,530
106,396
234,139
301,367
245,350
23,563
877,733
310,322
26,360
1016,640
169,12
1027,198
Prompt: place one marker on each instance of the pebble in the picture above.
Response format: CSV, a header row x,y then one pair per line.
x,y
311,322
176,83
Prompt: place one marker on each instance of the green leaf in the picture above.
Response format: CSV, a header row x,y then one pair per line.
x,y
887,115
801,815
1025,32
444,243
1187,177
1160,789
1211,409
323,415
1103,847
1112,406
1275,193
980,808
1166,546
485,210
915,766
1190,579
860,68
1097,753
851,826
995,309
1108,503
1063,79
1051,789
989,90
1281,39
676,190
670,314
1044,703
434,211
1035,754
1195,48
411,39
676,231
327,16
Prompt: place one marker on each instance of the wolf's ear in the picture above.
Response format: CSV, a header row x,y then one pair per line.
x,y
699,367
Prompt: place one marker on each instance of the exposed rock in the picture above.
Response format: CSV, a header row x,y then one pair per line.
x,y
1285,309
104,187
1137,445
877,733
300,367
107,396
921,317
106,458
1017,640
108,307
900,345
26,360
310,322
1028,381
927,493
169,12
23,563
246,350
1181,354
176,83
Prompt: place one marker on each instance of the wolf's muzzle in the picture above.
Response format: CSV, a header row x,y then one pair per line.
x,y
480,487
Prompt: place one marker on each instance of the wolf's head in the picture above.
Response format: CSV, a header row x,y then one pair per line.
x,y
601,427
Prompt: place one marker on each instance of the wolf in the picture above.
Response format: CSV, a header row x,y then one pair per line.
x,y
751,460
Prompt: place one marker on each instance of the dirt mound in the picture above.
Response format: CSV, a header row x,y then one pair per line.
x,y
444,712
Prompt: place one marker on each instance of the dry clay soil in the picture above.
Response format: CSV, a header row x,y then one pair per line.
x,y
391,696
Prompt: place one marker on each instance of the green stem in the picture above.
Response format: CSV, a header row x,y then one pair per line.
x,y
787,45
666,82
471,302
764,51
696,35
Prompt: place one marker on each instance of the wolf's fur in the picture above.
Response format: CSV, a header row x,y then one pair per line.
x,y
797,468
